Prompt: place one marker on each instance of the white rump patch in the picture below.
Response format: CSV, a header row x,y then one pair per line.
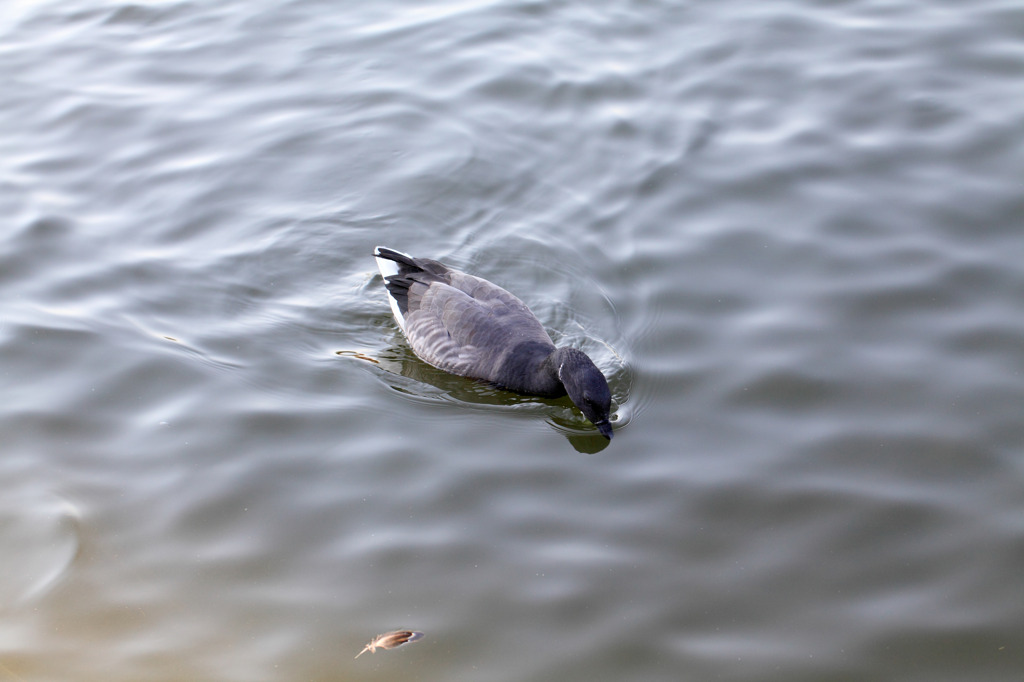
x,y
387,269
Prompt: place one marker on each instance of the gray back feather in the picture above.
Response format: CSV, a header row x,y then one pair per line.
x,y
467,325
460,323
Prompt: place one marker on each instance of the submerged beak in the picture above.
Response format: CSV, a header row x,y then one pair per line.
x,y
605,428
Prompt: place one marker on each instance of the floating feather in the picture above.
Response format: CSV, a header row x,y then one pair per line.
x,y
390,640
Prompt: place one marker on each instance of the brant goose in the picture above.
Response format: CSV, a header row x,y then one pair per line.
x,y
468,326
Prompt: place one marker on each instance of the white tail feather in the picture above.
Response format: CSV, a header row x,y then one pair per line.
x,y
387,269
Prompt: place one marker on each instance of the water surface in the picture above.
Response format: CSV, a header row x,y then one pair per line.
x,y
790,234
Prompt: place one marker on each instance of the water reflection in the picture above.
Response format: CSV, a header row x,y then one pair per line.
x,y
415,379
40,539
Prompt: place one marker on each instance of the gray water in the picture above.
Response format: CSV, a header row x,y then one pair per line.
x,y
790,233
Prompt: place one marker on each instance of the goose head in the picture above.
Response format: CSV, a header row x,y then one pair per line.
x,y
586,386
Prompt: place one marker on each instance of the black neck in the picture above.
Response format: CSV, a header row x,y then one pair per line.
x,y
531,368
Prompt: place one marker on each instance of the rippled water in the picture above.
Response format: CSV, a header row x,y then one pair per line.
x,y
791,234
